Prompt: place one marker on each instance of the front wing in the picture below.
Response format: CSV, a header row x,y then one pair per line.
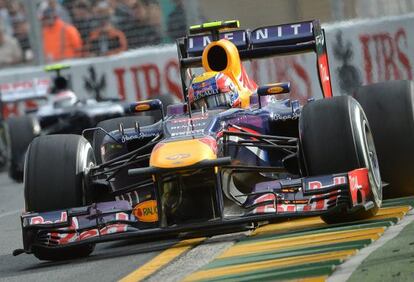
x,y
115,220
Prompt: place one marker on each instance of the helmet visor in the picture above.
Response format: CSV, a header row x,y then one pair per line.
x,y
220,100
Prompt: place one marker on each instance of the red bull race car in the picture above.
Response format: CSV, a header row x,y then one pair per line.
x,y
231,154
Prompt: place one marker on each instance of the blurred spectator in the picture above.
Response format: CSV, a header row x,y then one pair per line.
x,y
61,11
140,29
68,5
122,12
153,21
154,13
21,33
20,28
10,51
105,39
60,40
82,18
5,18
177,22
15,9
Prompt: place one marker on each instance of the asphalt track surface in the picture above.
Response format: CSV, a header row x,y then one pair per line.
x,y
109,261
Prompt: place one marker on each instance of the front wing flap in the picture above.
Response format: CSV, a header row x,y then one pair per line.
x,y
312,194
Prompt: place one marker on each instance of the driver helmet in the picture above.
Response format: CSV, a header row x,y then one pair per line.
x,y
64,99
213,90
60,84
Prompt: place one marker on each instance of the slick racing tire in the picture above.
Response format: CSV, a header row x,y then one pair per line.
x,y
335,138
389,107
21,131
4,147
54,180
113,124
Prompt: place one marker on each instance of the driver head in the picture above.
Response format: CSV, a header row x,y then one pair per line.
x,y
60,83
213,90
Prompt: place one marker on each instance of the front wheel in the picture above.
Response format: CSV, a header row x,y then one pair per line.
x,y
335,137
54,179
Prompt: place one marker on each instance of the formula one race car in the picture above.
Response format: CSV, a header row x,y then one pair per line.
x,y
63,112
230,155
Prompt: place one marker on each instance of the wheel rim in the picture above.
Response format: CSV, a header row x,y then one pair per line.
x,y
373,164
85,162
367,154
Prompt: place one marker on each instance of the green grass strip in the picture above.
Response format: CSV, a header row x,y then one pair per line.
x,y
398,202
331,228
283,273
292,252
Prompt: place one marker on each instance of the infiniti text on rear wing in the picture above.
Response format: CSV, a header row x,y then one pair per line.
x,y
284,39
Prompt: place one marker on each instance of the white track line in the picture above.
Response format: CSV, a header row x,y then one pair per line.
x,y
9,213
345,270
195,258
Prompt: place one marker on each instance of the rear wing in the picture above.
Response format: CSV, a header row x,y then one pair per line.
x,y
269,41
14,92
35,89
25,90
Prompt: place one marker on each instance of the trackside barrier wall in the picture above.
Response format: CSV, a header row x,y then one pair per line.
x,y
360,52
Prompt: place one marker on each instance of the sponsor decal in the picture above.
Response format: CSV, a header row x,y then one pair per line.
x,y
70,237
359,182
281,32
324,182
177,157
126,138
142,107
135,82
278,116
314,185
324,74
204,88
339,180
199,42
35,88
146,211
42,220
198,94
353,183
386,53
275,90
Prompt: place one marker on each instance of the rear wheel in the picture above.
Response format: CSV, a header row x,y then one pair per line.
x,y
54,180
20,131
389,107
336,138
